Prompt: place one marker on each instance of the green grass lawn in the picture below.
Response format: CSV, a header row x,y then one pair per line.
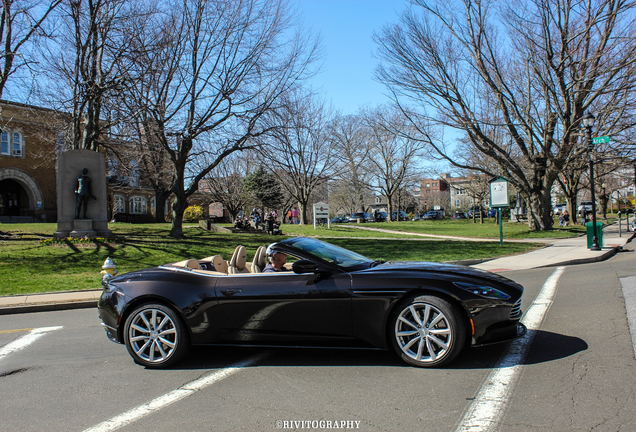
x,y
489,229
29,266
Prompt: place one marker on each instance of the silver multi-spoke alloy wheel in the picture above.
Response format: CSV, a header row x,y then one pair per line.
x,y
427,332
154,336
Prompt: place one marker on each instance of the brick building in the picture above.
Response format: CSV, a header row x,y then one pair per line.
x,y
435,193
28,147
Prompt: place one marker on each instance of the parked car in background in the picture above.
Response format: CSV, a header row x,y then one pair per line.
x,y
379,217
433,215
476,210
492,212
403,216
560,208
340,219
417,217
359,215
460,215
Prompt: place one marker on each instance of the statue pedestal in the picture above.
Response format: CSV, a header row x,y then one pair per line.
x,y
82,228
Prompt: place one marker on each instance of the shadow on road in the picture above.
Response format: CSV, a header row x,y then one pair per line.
x,y
547,346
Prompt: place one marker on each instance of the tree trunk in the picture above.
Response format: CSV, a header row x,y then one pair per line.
x,y
389,207
538,218
302,212
178,208
160,205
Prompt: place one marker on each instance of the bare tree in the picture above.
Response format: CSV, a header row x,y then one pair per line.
x,y
300,151
221,67
516,80
350,136
23,21
225,185
89,64
393,154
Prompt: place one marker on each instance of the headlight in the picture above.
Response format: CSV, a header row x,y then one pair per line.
x,y
482,290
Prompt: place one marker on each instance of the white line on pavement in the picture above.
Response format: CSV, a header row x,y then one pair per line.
x,y
169,398
485,412
25,340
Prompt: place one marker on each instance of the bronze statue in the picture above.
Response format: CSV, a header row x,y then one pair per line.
x,y
83,193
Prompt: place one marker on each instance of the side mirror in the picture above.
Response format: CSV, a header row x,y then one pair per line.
x,y
304,266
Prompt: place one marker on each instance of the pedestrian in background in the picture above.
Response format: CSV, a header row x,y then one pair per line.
x,y
295,215
583,214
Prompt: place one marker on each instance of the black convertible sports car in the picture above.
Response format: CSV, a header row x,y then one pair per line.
x,y
426,312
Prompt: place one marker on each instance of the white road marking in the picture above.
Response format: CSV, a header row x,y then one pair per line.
x,y
25,340
169,398
485,412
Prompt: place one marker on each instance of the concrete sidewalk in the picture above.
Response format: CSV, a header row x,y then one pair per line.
x,y
568,251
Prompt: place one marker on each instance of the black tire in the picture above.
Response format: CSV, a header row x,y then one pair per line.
x,y
155,336
427,331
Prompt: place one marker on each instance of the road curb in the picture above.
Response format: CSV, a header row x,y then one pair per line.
x,y
47,307
607,255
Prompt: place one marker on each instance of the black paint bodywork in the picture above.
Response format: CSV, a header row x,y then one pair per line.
x,y
328,307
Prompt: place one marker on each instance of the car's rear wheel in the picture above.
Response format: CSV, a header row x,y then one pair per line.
x,y
155,336
427,331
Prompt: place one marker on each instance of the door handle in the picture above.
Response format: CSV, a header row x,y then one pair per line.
x,y
231,291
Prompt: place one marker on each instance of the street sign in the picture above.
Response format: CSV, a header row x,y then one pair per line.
x,y
599,140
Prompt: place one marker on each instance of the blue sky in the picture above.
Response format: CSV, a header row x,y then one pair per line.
x,y
346,28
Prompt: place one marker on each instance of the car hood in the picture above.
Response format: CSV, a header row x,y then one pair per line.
x,y
441,268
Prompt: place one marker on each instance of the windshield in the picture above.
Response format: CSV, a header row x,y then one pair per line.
x,y
332,254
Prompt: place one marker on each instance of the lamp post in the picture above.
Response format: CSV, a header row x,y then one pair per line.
x,y
588,122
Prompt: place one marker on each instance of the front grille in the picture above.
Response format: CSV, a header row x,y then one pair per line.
x,y
515,312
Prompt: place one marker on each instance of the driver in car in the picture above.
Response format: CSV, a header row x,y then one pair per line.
x,y
277,261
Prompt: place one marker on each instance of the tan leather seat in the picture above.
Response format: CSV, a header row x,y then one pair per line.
x,y
238,263
193,264
260,260
219,264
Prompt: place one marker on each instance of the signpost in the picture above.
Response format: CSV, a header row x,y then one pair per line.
x,y
321,211
600,140
499,198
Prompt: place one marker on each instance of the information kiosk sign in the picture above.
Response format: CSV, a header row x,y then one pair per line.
x,y
321,211
499,198
499,192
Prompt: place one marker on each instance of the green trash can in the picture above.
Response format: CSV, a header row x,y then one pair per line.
x,y
590,234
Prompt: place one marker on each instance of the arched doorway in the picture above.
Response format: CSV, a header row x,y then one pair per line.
x,y
14,199
20,194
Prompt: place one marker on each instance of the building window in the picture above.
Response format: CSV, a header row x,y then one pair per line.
x,y
428,185
119,204
5,143
153,207
17,144
138,205
457,203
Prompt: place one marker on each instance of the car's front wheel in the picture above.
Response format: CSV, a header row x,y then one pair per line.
x,y
155,336
427,331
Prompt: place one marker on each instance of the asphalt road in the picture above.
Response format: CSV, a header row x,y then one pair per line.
x,y
578,374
